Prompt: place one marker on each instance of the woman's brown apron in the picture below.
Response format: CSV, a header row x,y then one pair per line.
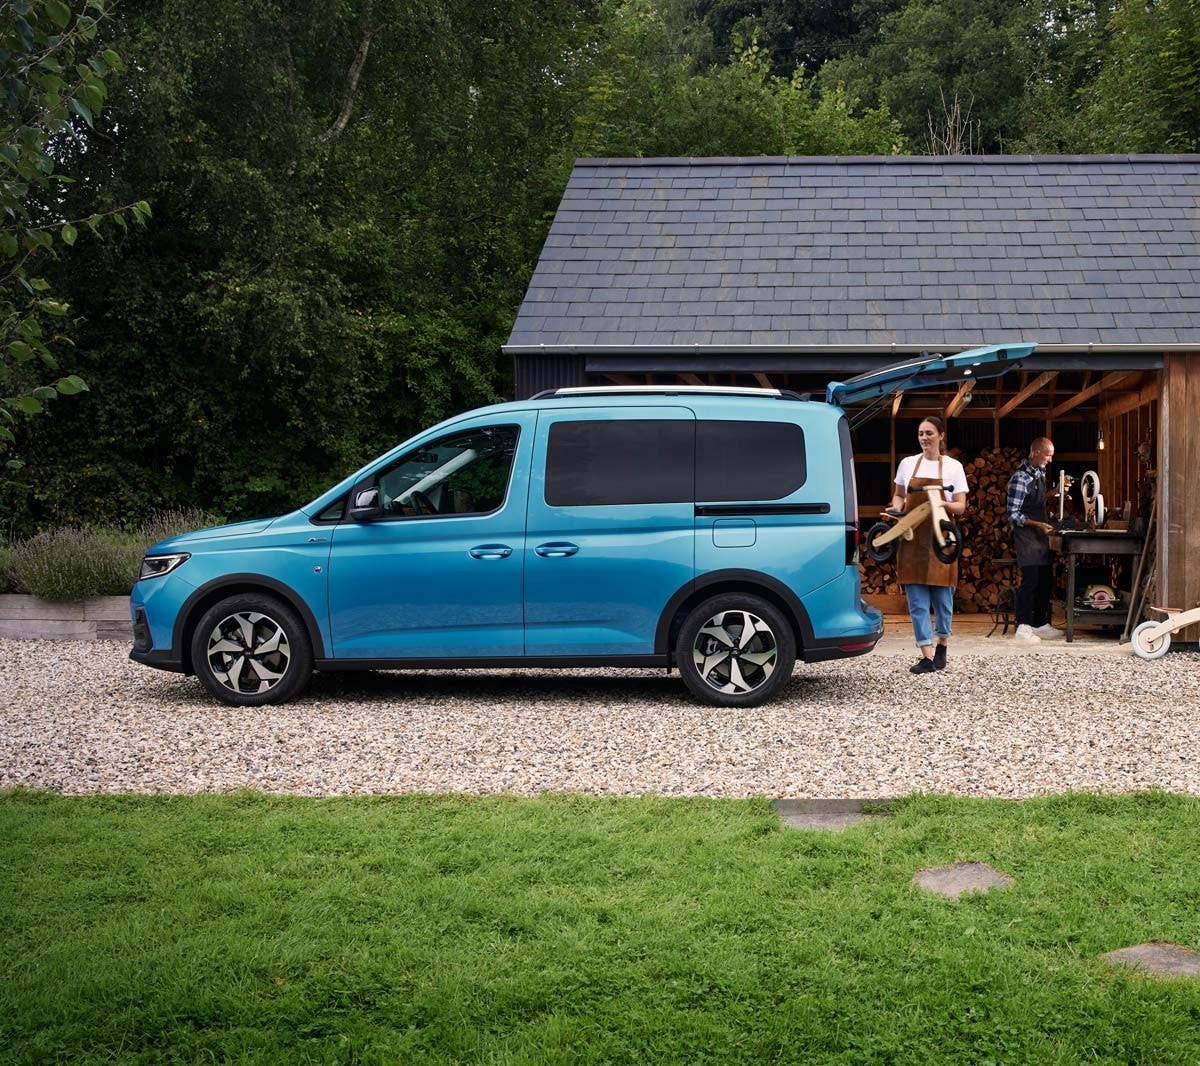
x,y
916,564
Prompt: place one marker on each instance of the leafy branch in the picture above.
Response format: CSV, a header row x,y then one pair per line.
x,y
52,75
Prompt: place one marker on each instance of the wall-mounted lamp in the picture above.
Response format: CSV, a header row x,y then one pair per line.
x,y
1100,442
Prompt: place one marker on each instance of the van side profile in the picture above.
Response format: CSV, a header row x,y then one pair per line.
x,y
713,531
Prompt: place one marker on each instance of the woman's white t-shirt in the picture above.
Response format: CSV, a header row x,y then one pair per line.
x,y
918,466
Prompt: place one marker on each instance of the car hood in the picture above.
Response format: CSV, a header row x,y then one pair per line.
x,y
189,540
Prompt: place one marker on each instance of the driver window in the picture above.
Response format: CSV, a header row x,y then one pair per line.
x,y
465,473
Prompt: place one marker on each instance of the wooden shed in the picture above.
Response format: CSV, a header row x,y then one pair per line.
x,y
790,272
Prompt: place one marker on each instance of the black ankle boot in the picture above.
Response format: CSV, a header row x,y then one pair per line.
x,y
939,657
922,666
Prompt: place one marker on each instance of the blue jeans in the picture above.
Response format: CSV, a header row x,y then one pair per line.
x,y
920,599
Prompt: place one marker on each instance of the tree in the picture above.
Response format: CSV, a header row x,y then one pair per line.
x,y
643,100
53,85
934,54
349,198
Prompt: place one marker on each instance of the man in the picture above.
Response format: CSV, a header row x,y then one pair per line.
x,y
1030,524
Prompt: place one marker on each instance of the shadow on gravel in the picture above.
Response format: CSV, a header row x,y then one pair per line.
x,y
535,687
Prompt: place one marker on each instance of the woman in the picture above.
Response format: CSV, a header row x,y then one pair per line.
x,y
928,583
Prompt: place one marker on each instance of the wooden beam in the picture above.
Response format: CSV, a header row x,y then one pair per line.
x,y
1142,398
961,399
691,379
1106,382
896,403
763,380
1026,392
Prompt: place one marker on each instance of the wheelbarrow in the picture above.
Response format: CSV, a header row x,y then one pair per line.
x,y
883,538
1152,639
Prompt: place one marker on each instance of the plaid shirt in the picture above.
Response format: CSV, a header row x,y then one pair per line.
x,y
1019,487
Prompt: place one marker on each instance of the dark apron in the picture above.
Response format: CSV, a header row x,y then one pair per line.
x,y
1032,546
916,564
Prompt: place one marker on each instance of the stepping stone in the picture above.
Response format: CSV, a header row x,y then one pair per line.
x,y
1158,958
831,814
953,881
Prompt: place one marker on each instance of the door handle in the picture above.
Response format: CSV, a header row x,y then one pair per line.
x,y
556,549
491,551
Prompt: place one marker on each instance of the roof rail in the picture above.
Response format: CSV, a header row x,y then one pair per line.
x,y
664,390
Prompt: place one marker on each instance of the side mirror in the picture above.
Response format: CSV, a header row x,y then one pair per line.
x,y
365,505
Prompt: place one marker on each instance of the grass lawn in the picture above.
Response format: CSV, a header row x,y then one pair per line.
x,y
249,928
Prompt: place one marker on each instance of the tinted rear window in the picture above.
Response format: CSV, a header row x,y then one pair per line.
x,y
737,461
591,464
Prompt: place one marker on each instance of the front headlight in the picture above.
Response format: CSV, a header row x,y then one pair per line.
x,y
160,565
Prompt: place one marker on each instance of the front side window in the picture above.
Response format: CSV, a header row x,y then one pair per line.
x,y
460,474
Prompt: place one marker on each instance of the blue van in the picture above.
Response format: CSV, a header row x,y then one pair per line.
x,y
713,530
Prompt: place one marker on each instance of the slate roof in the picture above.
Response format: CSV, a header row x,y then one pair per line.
x,y
1077,253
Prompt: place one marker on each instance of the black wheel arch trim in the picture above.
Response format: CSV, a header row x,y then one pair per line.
x,y
747,580
247,583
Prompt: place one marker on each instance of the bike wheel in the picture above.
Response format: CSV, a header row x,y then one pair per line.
x,y
952,548
879,554
1144,646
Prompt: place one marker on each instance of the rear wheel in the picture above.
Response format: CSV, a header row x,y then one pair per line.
x,y
953,537
735,650
252,649
880,555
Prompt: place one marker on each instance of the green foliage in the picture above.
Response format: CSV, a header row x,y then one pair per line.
x,y
933,54
1146,97
568,929
643,101
53,86
72,563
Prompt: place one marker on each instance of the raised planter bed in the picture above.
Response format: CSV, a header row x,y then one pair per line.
x,y
31,618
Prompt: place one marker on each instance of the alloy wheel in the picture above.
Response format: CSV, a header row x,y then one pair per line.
x,y
248,652
735,652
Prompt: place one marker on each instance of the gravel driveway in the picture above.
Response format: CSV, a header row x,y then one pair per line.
x,y
79,717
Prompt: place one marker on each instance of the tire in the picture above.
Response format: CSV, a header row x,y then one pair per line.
x,y
888,551
720,666
954,540
1144,647
280,659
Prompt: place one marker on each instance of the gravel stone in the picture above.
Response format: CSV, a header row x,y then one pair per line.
x,y
79,717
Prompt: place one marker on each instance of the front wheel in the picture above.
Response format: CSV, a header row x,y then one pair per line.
x,y
252,649
735,650
952,548
884,554
1145,647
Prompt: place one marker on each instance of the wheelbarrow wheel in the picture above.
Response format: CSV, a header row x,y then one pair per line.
x,y
879,554
951,550
1145,646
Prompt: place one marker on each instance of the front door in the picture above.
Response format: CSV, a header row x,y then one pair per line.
x,y
611,528
440,575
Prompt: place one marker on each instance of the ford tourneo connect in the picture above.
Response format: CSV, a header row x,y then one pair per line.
x,y
714,530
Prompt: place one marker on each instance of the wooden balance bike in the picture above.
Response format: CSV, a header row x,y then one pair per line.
x,y
1152,639
883,538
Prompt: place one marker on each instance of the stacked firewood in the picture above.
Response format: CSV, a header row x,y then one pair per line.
x,y
986,535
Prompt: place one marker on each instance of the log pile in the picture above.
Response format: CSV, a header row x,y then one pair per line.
x,y
986,535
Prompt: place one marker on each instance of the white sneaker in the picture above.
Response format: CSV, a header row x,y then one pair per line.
x,y
1048,632
1026,635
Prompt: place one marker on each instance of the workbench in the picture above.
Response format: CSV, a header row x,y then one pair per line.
x,y
1102,542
